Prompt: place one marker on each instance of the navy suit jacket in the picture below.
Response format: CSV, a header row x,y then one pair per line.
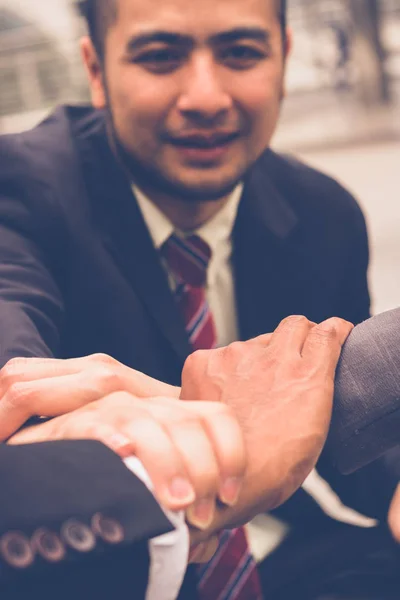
x,y
79,274
44,487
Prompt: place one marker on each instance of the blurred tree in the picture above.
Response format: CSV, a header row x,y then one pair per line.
x,y
373,85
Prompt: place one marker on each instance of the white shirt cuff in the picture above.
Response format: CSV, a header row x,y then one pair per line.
x,y
169,552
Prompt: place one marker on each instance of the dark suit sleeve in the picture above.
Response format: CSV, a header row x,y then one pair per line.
x,y
51,485
31,236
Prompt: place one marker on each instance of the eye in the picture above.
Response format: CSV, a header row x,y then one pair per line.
x,y
242,56
161,60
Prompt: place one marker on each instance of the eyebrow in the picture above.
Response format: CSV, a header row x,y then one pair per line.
x,y
141,40
253,33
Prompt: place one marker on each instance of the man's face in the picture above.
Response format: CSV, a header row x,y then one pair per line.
x,y
193,89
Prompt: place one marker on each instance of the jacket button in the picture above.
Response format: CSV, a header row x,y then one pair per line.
x,y
48,545
16,550
109,530
78,536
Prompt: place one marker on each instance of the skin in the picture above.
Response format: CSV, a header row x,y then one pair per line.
x,y
394,515
190,111
278,388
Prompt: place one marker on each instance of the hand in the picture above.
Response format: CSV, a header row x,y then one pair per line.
x,y
50,387
193,452
394,515
280,387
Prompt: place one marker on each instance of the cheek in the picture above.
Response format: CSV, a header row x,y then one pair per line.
x,y
262,106
259,92
137,106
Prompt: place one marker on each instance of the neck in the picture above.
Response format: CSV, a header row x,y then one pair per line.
x,y
186,216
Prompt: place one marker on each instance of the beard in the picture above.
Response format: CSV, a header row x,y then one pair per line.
x,y
152,180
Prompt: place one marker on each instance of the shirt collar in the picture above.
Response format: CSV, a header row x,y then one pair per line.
x,y
216,231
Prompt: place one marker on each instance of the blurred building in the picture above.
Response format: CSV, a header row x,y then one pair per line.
x,y
39,58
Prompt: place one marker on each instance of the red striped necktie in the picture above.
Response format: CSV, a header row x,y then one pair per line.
x,y
232,572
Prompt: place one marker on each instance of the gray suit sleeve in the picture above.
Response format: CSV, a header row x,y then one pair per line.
x,y
366,417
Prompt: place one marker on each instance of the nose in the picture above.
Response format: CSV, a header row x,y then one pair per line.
x,y
204,95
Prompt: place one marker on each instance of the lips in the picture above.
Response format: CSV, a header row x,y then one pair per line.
x,y
204,141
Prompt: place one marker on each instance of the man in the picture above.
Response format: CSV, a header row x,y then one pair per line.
x,y
93,541
162,223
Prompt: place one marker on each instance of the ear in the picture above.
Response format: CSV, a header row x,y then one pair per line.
x,y
287,50
288,43
94,72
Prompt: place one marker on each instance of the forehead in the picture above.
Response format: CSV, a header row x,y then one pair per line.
x,y
197,18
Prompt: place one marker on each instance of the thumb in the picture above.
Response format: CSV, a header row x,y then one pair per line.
x,y
394,515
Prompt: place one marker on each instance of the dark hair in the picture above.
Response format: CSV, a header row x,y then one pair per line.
x,y
98,15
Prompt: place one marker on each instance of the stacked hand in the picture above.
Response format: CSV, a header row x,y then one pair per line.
x,y
255,422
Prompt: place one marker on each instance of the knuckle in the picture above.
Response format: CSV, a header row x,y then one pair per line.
x,y
103,359
11,372
234,349
94,428
325,333
295,320
110,378
18,395
196,358
7,376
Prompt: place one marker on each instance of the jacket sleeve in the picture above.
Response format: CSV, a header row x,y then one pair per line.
x,y
31,234
365,431
369,489
74,523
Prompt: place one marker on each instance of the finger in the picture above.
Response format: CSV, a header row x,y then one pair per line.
x,y
226,438
324,344
54,396
195,447
161,458
289,337
394,515
228,444
19,370
49,397
70,427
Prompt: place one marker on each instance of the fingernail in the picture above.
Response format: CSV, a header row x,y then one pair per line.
x,y
181,489
230,491
201,513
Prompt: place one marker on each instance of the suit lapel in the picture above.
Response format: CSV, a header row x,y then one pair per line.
x,y
127,238
262,254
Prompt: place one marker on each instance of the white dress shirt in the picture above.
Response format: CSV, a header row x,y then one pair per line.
x,y
168,553
217,233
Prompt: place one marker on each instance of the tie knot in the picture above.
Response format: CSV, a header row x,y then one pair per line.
x,y
188,259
